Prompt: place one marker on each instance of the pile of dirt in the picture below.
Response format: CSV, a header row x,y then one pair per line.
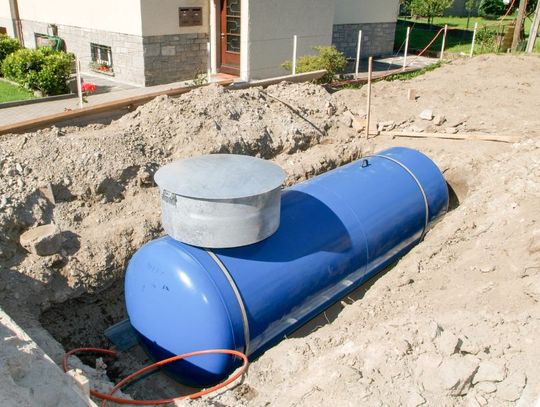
x,y
452,323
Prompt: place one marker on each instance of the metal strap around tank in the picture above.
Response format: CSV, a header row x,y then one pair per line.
x,y
426,203
238,298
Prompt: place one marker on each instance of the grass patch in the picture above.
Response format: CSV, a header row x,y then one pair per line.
x,y
457,41
409,75
11,93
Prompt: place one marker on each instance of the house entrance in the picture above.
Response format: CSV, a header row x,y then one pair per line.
x,y
230,37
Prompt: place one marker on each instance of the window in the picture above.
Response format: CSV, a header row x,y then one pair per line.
x,y
44,41
3,30
101,58
190,17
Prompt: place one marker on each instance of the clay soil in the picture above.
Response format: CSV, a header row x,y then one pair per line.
x,y
454,322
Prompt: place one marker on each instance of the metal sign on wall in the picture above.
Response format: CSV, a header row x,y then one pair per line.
x,y
190,16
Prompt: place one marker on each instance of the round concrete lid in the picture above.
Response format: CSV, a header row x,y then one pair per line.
x,y
220,176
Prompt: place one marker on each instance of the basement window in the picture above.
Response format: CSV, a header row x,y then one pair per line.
x,y
101,58
3,30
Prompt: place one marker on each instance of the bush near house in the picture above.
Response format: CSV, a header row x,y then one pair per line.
x,y
8,45
491,8
42,69
329,58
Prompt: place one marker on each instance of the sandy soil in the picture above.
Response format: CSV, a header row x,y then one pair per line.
x,y
453,323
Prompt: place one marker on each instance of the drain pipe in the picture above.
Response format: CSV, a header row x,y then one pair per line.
x,y
17,25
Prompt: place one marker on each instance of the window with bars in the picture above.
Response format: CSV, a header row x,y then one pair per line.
x,y
101,58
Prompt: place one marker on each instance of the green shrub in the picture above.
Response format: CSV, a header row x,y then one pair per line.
x,y
55,71
491,8
329,58
486,40
23,66
8,45
42,69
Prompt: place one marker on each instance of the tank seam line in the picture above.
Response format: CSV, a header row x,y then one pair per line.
x,y
426,203
236,292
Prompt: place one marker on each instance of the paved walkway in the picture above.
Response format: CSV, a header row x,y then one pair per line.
x,y
12,115
115,91
389,64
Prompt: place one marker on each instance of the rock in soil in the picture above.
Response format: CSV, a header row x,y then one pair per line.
x,y
43,240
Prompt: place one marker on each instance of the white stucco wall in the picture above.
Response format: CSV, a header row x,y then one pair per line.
x,y
5,10
120,16
272,25
365,11
160,17
5,17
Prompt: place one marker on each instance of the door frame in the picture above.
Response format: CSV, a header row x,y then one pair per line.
x,y
215,39
232,66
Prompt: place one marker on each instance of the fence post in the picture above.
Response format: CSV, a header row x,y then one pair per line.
x,y
295,46
444,41
534,29
358,48
368,103
473,40
406,47
208,62
79,85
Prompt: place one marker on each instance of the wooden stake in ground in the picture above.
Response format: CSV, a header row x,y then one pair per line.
x,y
368,107
534,29
520,20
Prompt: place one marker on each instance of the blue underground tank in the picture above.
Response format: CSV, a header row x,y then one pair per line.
x,y
337,230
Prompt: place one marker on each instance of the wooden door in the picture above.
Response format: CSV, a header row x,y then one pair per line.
x,y
230,36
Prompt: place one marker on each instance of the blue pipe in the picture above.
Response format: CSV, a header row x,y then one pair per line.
x,y
337,230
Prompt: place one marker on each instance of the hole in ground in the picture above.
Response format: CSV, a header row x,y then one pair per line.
x,y
458,189
81,322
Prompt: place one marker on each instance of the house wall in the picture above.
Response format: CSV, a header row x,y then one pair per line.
x,y
127,49
164,20
173,53
272,25
5,17
118,16
376,19
148,45
366,11
173,58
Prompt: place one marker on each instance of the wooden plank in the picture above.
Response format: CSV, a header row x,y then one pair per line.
x,y
299,77
129,103
457,136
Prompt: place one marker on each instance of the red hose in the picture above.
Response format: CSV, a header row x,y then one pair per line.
x,y
123,382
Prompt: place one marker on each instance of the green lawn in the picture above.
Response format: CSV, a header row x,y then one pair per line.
x,y
456,42
10,93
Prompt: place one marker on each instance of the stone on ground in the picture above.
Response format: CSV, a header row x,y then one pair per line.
x,y
43,240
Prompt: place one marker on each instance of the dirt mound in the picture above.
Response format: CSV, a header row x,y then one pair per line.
x,y
452,323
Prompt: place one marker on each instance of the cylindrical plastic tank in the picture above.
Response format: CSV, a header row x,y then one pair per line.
x,y
337,230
